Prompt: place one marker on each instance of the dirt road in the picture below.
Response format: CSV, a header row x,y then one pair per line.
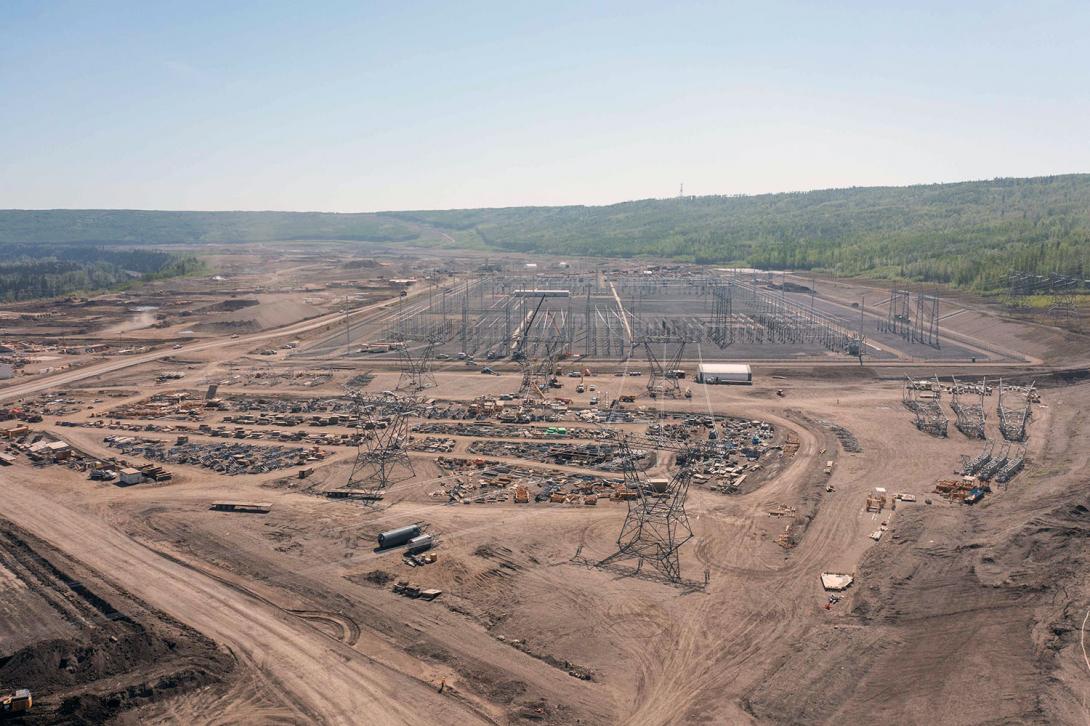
x,y
81,374
323,680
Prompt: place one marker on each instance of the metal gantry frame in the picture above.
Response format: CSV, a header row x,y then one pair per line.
x,y
1014,407
1059,290
926,330
927,408
967,401
899,316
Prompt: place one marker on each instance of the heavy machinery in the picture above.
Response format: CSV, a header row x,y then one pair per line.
x,y
518,353
16,703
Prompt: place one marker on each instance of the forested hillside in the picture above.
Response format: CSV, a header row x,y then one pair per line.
x,y
32,272
967,234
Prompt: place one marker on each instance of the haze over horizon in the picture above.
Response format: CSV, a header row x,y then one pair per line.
x,y
266,106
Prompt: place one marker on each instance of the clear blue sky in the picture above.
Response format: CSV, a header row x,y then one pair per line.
x,y
357,106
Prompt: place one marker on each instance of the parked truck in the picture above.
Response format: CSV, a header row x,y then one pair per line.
x,y
15,703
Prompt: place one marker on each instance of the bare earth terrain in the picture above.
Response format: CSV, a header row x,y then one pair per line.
x,y
143,603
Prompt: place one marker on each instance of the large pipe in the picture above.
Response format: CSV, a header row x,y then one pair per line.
x,y
398,536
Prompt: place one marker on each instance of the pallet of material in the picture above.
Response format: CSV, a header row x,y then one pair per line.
x,y
255,507
836,581
364,494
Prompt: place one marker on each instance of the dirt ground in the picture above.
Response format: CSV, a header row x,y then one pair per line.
x,y
957,614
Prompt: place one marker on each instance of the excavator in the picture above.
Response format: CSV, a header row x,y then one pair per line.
x,y
13,704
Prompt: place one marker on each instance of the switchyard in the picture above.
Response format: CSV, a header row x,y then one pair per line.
x,y
614,315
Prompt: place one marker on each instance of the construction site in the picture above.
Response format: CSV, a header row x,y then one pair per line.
x,y
409,485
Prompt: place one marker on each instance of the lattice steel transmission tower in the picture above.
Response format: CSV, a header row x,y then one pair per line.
x,y
656,526
663,381
416,373
382,454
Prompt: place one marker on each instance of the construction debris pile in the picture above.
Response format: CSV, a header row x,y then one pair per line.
x,y
406,589
227,459
32,410
42,449
432,445
292,405
606,457
225,432
172,406
731,448
505,408
280,378
499,431
475,481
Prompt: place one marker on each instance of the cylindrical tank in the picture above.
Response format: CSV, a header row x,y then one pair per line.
x,y
423,542
398,536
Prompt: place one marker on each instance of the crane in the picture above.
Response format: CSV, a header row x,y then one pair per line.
x,y
517,353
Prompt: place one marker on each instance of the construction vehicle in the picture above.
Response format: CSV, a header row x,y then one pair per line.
x,y
18,702
518,353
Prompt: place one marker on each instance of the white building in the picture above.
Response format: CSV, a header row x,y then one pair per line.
x,y
739,373
6,371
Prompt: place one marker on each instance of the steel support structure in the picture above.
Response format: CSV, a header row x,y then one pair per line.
x,y
927,407
899,316
1014,407
967,401
382,454
926,328
656,525
416,373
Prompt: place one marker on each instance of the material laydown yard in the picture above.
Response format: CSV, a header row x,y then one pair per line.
x,y
151,603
